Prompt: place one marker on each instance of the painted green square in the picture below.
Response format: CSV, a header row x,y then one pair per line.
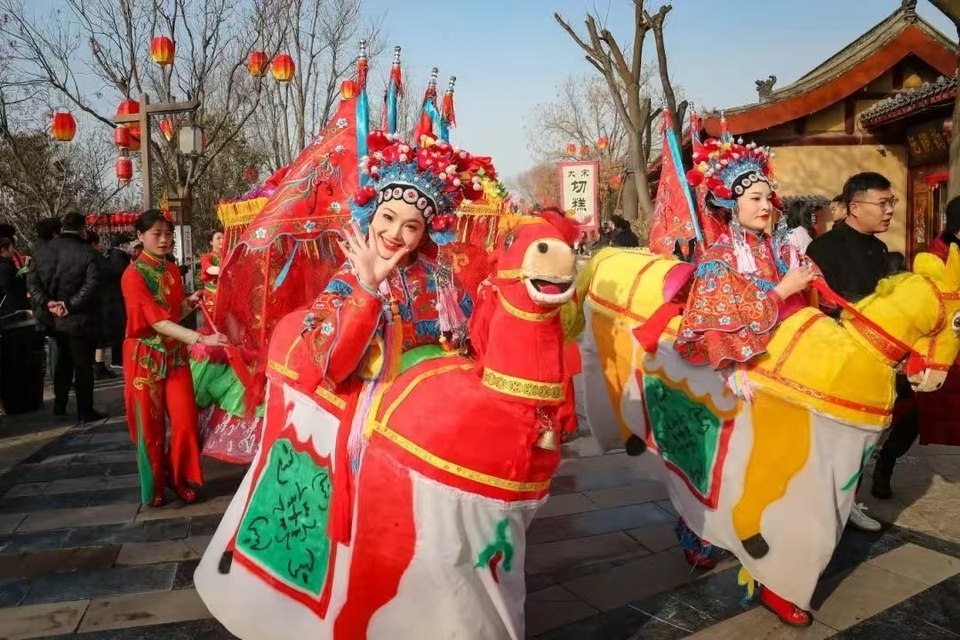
x,y
686,432
285,526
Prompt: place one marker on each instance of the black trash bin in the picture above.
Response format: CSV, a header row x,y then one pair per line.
x,y
22,365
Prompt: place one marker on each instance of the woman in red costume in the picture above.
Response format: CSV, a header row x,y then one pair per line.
x,y
745,285
393,301
210,269
157,380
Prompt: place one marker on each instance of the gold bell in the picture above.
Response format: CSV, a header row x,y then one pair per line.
x,y
547,440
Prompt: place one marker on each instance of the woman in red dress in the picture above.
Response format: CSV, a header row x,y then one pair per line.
x,y
210,269
157,379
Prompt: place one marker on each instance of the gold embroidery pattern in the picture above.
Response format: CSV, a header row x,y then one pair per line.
x,y
455,469
283,370
330,397
522,388
526,315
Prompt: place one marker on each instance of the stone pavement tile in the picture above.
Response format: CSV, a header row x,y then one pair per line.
x,y
894,625
107,457
139,553
183,578
667,506
34,565
64,518
619,624
565,504
656,538
717,595
554,607
32,542
28,489
927,450
939,605
857,547
553,556
590,523
572,573
101,584
760,624
589,481
582,465
198,543
143,609
118,534
10,521
122,437
947,466
923,565
203,525
213,506
208,629
30,504
856,596
97,483
41,620
638,492
30,473
13,591
634,580
62,458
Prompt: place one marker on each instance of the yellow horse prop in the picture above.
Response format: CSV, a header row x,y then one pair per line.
x,y
773,480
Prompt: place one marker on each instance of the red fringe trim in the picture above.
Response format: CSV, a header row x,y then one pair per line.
x,y
446,112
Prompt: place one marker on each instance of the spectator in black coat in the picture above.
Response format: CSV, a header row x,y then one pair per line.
x,y
13,284
622,235
113,314
47,230
63,282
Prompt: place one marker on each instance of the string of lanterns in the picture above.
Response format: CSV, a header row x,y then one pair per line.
x,y
112,222
127,137
603,143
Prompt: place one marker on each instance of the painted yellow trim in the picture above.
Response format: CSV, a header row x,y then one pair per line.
x,y
522,387
526,315
283,369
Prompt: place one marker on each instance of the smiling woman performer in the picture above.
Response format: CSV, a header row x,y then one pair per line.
x,y
392,298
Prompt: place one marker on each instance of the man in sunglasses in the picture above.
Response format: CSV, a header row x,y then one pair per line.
x,y
853,260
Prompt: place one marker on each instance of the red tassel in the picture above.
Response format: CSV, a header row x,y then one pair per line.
x,y
446,112
397,76
362,72
424,128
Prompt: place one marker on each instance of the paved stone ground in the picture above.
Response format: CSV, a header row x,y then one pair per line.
x,y
81,559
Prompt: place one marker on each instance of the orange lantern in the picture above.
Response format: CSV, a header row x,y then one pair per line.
x,y
616,181
283,67
168,128
63,127
258,63
129,108
348,89
603,143
162,50
121,137
571,149
584,150
124,169
250,174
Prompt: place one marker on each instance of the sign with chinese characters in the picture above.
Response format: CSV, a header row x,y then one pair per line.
x,y
927,143
579,192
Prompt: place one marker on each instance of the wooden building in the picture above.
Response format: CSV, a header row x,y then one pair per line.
x,y
874,106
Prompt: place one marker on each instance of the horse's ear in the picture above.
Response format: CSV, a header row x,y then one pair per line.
x,y
568,228
927,264
952,275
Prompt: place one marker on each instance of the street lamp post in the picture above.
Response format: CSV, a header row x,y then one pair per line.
x,y
180,208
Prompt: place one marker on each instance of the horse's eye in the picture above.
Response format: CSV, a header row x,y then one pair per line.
x,y
508,241
956,321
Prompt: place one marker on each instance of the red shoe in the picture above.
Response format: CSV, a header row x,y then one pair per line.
x,y
158,500
186,494
699,560
789,613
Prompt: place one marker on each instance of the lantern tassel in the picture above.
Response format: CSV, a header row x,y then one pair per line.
x,y
394,91
446,109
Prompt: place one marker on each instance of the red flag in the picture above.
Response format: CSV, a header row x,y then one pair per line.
x,y
671,215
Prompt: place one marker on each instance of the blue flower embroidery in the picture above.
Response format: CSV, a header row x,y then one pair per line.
x,y
755,326
260,233
341,123
746,351
725,320
310,226
721,307
309,320
337,302
335,207
727,288
326,328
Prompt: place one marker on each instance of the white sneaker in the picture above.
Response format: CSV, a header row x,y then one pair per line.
x,y
860,520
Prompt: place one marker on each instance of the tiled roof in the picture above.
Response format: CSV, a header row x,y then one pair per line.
x,y
941,91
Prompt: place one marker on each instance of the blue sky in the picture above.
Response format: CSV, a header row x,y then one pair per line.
x,y
509,55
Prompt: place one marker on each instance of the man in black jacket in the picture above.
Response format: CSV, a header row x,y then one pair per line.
x,y
63,283
853,261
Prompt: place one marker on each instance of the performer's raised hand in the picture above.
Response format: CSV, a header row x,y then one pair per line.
x,y
370,266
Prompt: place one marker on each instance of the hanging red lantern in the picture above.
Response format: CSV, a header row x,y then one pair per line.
x,y
63,127
616,181
124,169
258,63
162,50
603,143
251,174
121,137
584,150
283,67
130,108
168,128
90,220
571,149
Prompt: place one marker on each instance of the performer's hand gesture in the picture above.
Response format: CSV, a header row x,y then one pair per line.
x,y
371,267
796,280
214,340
